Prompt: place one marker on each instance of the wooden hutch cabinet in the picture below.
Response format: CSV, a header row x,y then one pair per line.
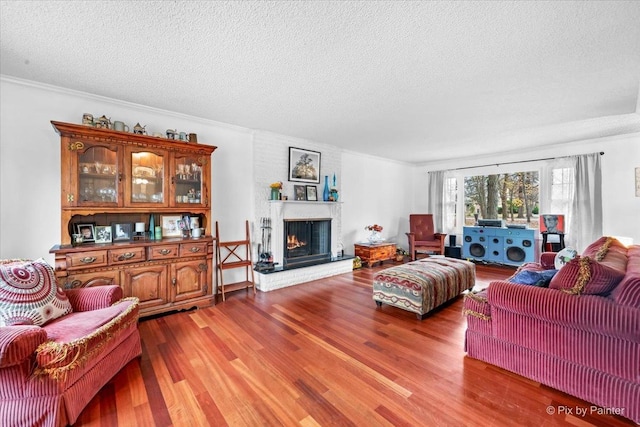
x,y
112,177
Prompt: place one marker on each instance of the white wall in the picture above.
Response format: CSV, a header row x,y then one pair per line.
x,y
30,160
375,191
621,209
372,190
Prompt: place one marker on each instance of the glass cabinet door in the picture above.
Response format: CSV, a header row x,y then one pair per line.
x,y
98,176
147,178
188,187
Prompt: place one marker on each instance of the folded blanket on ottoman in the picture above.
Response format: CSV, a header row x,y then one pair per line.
x,y
422,285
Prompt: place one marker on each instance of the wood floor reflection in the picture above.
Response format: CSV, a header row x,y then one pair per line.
x,y
321,354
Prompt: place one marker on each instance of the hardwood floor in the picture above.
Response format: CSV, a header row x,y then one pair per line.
x,y
322,354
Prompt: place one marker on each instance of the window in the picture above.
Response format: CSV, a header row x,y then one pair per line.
x,y
562,187
450,204
512,197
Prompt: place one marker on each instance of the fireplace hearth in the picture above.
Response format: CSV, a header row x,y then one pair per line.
x,y
282,211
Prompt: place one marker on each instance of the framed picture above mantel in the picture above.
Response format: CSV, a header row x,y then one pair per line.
x,y
304,165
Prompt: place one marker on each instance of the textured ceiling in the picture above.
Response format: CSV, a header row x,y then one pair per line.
x,y
413,81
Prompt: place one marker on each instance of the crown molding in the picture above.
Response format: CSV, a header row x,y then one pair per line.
x,y
121,103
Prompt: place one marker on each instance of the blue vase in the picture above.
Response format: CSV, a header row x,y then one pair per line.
x,y
152,226
325,195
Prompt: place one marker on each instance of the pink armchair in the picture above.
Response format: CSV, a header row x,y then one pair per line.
x,y
49,373
422,235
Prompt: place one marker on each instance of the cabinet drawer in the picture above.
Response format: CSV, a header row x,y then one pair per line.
x,y
361,252
85,280
386,252
193,248
163,252
86,259
126,255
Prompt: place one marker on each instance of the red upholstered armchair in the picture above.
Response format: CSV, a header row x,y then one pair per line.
x,y
50,372
422,236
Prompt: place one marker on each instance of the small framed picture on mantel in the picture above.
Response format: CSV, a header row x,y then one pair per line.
x,y
300,192
312,193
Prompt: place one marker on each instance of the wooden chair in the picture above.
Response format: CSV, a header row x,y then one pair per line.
x,y
234,254
422,236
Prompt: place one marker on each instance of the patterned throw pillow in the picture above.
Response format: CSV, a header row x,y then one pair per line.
x,y
582,275
29,294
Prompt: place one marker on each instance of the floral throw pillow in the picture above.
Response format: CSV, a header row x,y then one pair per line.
x,y
29,294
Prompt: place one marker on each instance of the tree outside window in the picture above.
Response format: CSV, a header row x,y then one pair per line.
x,y
512,197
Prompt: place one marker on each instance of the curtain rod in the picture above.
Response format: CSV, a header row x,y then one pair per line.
x,y
513,163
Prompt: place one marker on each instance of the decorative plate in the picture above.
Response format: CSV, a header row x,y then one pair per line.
x,y
142,171
564,256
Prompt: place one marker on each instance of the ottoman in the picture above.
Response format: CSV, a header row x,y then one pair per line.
x,y
422,285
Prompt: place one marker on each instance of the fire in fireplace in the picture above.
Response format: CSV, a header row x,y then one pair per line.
x,y
294,243
306,242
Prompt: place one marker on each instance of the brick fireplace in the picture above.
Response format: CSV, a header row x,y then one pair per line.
x,y
314,263
306,242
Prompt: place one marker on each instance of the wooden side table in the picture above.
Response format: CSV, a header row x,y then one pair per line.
x,y
371,253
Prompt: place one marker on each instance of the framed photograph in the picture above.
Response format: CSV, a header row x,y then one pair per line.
x,y
304,165
103,234
192,222
312,193
121,231
171,225
300,192
552,223
87,230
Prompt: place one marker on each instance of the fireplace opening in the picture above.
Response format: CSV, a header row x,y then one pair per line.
x,y
306,242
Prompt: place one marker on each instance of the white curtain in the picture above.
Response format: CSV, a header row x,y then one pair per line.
x,y
435,198
572,186
586,207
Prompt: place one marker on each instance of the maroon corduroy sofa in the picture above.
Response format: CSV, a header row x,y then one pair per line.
x,y
49,373
580,335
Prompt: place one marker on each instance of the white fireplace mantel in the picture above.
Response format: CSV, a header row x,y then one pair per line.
x,y
284,209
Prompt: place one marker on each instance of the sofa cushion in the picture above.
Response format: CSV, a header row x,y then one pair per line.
x,y
582,275
608,251
628,291
600,248
74,339
29,293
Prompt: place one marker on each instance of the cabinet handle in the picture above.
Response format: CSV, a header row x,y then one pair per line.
x,y
120,177
88,259
173,180
194,249
173,281
165,251
73,284
126,255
